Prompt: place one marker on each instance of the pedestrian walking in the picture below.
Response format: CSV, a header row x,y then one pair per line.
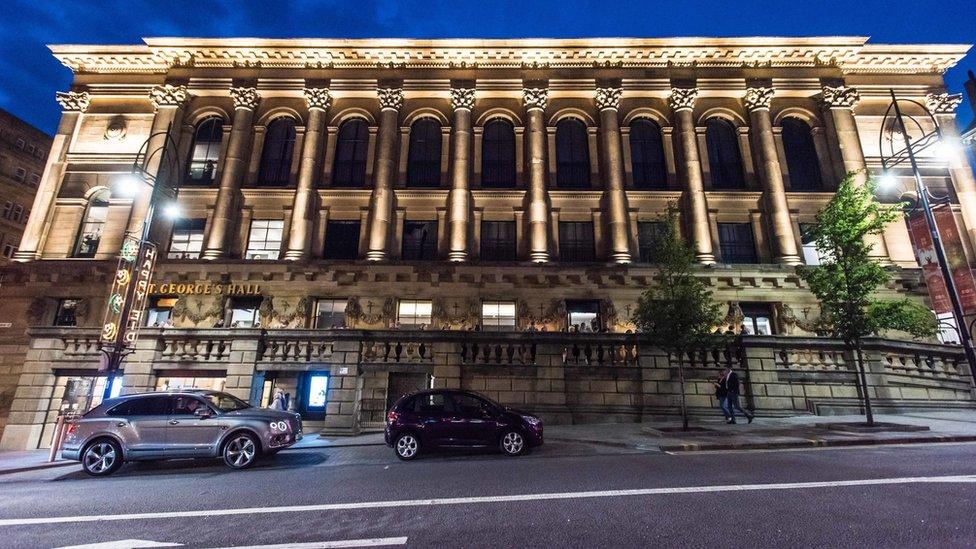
x,y
731,383
278,401
721,393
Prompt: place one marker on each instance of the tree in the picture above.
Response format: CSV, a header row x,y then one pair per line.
x,y
848,276
676,312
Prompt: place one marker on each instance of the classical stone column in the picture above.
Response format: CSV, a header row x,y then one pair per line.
x,y
168,102
384,173
232,176
73,104
943,107
840,102
303,208
536,144
757,101
459,198
682,102
612,166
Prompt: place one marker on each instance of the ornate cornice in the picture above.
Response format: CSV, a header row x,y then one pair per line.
x,y
840,97
608,98
317,98
73,101
168,95
943,103
682,98
390,98
758,98
535,98
245,98
462,98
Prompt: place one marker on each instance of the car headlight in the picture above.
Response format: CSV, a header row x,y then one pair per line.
x,y
533,421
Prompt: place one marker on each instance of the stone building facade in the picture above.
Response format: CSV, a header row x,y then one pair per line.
x,y
361,218
23,154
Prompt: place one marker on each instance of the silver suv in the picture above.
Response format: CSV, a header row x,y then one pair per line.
x,y
182,424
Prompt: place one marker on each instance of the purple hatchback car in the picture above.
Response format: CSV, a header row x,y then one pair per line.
x,y
445,418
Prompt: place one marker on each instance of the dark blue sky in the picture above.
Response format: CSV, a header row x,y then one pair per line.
x,y
29,76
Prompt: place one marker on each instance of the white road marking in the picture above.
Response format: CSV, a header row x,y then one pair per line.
x,y
123,544
210,513
371,542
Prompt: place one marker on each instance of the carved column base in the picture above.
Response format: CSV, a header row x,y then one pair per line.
x,y
705,259
791,260
212,254
457,256
25,256
294,255
375,255
539,257
621,257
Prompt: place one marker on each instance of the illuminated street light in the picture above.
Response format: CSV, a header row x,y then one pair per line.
x,y
887,181
172,210
128,185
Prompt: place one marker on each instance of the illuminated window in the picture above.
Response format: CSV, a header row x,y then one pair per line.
x,y
160,311
330,313
413,314
498,316
352,144
583,315
757,319
572,154
245,312
498,154
724,158
424,154
647,155
91,229
264,240
206,151
279,145
187,239
318,391
65,314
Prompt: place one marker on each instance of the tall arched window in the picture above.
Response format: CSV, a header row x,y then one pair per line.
x,y
350,155
279,144
424,155
801,156
724,158
206,151
647,155
572,154
498,154
90,233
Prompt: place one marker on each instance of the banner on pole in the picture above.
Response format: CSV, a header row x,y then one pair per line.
x,y
959,267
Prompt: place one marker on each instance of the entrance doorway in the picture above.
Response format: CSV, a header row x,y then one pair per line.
x,y
402,383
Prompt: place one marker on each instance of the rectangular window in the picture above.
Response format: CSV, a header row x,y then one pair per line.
x,y
187,239
810,254
737,243
31,148
34,180
948,333
8,210
264,241
648,235
576,241
244,312
498,316
341,240
413,314
18,214
419,240
330,314
498,241
583,315
20,175
757,319
9,250
159,313
21,143
65,315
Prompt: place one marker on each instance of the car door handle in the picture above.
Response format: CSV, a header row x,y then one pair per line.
x,y
121,424
174,422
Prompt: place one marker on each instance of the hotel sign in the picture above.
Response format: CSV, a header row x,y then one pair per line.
x,y
204,288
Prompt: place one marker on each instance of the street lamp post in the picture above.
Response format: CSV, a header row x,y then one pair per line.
x,y
925,197
137,258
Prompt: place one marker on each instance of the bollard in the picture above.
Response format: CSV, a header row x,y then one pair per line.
x,y
58,436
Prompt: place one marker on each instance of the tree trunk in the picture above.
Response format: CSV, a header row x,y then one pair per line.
x,y
681,385
864,382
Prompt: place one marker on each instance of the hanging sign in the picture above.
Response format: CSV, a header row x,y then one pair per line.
x,y
959,268
142,277
120,286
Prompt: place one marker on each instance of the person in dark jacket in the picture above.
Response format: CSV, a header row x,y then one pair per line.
x,y
721,393
731,383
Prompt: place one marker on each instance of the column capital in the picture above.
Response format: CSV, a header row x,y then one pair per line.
x,y
462,98
840,97
682,98
245,98
535,98
390,98
758,98
943,103
317,98
608,98
168,95
73,101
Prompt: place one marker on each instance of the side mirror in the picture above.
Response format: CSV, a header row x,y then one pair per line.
x,y
202,412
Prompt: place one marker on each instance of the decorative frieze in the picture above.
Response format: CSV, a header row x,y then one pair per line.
x,y
462,98
245,98
318,98
840,97
390,98
608,98
535,98
758,98
682,98
943,103
168,95
73,101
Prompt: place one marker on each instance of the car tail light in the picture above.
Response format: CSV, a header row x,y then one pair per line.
x,y
391,416
72,427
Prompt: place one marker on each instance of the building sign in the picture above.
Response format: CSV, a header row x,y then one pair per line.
x,y
120,287
130,288
962,274
204,288
143,276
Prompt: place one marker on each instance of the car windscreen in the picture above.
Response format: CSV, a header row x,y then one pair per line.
x,y
224,402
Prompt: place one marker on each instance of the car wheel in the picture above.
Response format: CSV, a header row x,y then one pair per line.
x,y
407,446
102,457
513,443
240,451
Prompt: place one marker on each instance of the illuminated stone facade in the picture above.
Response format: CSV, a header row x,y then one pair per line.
x,y
459,186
